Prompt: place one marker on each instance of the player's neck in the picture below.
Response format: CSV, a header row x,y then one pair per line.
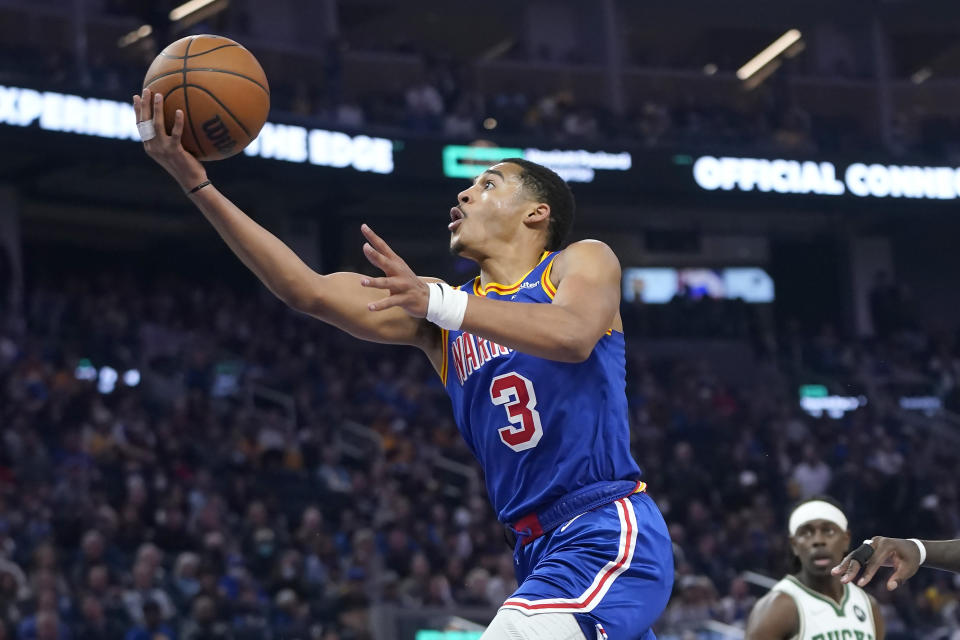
x,y
511,263
827,585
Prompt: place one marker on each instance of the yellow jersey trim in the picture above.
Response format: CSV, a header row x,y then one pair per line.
x,y
502,289
444,361
548,287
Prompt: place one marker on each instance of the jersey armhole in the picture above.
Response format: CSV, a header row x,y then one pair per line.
x,y
796,604
551,290
800,631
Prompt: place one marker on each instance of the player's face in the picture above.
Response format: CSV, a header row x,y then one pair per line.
x,y
488,213
820,545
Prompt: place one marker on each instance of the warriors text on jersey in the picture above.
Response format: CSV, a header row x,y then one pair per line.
x,y
822,618
541,429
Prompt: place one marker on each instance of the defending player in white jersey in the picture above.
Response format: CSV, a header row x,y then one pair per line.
x,y
812,603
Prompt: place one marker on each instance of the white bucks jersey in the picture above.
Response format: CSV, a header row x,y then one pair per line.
x,y
822,618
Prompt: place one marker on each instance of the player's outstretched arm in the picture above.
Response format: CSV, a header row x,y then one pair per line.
x,y
338,298
774,617
585,306
902,555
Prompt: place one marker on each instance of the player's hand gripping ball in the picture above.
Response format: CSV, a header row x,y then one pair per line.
x,y
221,89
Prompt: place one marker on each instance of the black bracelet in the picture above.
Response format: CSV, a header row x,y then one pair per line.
x,y
203,184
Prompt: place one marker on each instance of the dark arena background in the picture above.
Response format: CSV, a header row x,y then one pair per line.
x,y
184,457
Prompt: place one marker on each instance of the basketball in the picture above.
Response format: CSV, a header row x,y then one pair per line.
x,y
221,89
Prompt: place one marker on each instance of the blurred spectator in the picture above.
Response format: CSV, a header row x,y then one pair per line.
x,y
794,133
144,590
292,618
811,475
735,607
424,107
349,115
653,124
45,625
94,623
580,123
204,622
694,604
153,627
476,593
887,460
461,122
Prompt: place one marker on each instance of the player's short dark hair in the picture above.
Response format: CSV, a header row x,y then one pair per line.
x,y
544,185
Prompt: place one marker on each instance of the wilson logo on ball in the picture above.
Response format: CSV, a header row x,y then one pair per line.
x,y
218,134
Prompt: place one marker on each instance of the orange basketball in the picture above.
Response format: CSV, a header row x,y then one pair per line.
x,y
221,89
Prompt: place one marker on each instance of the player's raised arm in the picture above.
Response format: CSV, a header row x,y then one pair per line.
x,y
774,617
905,556
336,298
584,309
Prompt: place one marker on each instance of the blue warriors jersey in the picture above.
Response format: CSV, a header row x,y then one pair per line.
x,y
540,429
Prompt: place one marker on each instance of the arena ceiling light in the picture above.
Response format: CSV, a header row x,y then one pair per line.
x,y
921,75
135,36
191,7
785,44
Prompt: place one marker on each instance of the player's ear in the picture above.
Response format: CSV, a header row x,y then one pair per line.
x,y
540,211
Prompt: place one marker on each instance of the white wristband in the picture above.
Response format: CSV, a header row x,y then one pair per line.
x,y
923,549
446,305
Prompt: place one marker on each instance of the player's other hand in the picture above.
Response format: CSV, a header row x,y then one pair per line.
x,y
166,148
902,555
407,291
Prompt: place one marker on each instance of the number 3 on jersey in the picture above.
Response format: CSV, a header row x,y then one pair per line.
x,y
516,395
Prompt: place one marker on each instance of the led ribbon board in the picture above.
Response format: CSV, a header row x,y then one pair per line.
x,y
816,400
826,178
65,113
574,165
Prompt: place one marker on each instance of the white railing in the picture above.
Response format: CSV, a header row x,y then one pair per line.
x,y
257,394
358,441
758,579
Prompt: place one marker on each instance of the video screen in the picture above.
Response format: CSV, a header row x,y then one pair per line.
x,y
659,285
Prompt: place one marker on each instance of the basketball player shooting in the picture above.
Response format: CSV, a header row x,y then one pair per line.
x,y
812,603
534,370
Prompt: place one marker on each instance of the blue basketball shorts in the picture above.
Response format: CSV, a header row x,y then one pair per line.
x,y
611,567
